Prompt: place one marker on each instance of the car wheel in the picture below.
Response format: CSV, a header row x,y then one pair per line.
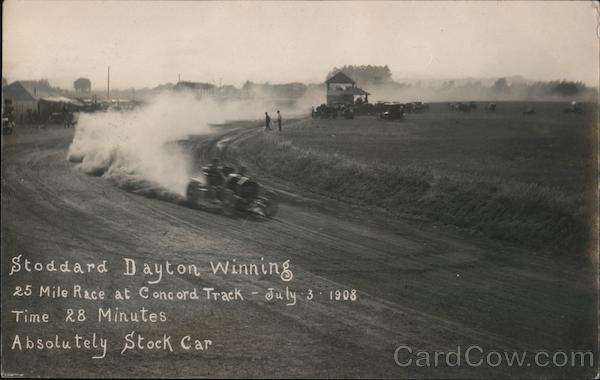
x,y
228,203
192,192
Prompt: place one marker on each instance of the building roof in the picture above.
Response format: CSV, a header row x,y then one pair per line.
x,y
16,91
61,99
34,91
38,90
340,77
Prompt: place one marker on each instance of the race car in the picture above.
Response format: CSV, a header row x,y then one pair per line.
x,y
233,192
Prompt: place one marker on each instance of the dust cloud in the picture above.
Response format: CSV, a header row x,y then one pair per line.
x,y
138,149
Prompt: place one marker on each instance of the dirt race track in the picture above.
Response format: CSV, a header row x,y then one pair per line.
x,y
428,287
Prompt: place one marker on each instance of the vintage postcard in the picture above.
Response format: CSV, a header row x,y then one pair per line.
x,y
289,189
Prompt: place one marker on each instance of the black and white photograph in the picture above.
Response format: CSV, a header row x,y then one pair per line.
x,y
300,189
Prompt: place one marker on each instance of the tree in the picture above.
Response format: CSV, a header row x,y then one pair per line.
x,y
448,84
82,85
247,85
501,85
365,75
565,88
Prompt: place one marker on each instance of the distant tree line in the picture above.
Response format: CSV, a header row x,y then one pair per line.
x,y
378,81
379,78
500,89
365,75
539,88
285,90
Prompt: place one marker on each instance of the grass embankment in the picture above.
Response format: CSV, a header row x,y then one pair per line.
x,y
528,214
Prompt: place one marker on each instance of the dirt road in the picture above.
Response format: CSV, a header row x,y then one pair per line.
x,y
424,286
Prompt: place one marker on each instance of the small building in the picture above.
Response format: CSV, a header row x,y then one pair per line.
x,y
34,101
342,90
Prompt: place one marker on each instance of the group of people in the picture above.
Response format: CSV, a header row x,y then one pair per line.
x,y
268,121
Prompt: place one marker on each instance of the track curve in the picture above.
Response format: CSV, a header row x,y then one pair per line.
x,y
425,286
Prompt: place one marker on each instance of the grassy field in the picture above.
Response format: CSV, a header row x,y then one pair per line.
x,y
526,179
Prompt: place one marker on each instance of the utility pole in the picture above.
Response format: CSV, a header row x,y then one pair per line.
x,y
108,85
179,78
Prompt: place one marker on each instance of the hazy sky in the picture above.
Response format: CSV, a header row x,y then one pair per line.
x,y
148,43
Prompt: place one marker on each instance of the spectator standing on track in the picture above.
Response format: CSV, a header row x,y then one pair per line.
x,y
279,120
267,121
